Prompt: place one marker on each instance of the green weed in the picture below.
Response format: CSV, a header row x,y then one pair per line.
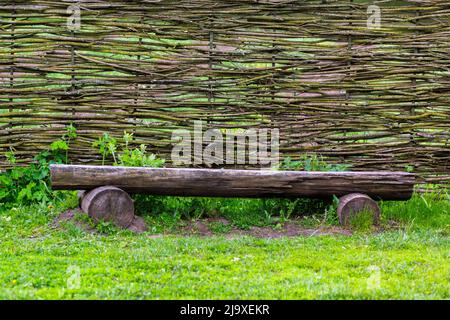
x,y
123,154
31,184
311,162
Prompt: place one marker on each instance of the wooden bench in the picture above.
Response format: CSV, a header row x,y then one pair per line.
x,y
107,187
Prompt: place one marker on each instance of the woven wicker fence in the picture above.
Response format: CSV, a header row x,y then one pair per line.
x,y
323,72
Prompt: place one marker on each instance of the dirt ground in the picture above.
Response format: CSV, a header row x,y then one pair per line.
x,y
203,228
288,229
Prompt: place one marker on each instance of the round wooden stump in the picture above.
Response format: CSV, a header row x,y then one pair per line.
x,y
109,204
356,203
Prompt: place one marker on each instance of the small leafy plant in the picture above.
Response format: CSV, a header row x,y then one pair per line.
x,y
124,155
312,162
31,184
63,144
106,145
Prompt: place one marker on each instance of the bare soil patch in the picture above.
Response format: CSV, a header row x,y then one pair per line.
x,y
288,229
203,228
71,216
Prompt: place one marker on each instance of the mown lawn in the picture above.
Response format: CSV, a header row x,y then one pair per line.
x,y
409,261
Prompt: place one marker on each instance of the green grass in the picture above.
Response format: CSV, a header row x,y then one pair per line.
x,y
362,222
410,261
421,212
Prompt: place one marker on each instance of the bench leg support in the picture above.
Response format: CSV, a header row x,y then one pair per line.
x,y
112,204
357,203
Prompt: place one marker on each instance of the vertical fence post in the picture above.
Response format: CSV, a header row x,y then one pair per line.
x,y
275,120
413,106
210,64
73,94
137,86
72,76
211,47
11,71
349,62
272,81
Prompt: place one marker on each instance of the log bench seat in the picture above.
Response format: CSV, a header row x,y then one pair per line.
x,y
107,188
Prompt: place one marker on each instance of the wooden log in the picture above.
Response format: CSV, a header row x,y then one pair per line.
x,y
108,203
356,203
234,183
